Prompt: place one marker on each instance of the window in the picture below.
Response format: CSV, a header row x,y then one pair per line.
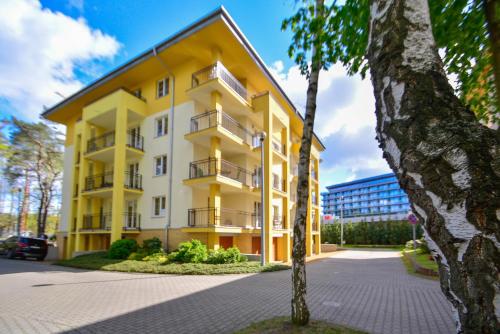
x,y
162,88
161,126
159,206
161,165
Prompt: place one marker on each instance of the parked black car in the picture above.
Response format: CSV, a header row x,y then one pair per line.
x,y
24,247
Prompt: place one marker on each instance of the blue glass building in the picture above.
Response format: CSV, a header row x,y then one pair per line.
x,y
370,199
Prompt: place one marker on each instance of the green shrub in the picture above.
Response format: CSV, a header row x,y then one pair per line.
x,y
121,249
152,246
230,255
190,252
421,245
137,256
370,233
159,257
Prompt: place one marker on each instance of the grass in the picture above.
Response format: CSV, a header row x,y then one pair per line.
x,y
98,261
423,259
397,247
284,325
409,266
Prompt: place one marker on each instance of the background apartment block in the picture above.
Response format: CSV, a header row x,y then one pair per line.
x,y
370,199
167,146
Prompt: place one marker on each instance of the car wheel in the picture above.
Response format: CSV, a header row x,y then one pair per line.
x,y
11,253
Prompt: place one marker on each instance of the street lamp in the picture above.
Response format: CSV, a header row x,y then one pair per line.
x,y
341,221
262,137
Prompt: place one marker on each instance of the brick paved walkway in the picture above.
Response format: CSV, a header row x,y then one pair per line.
x,y
367,290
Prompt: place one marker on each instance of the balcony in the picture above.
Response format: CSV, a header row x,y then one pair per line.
x,y
217,77
131,221
279,148
314,175
96,222
279,184
209,217
229,175
98,148
278,222
103,183
216,123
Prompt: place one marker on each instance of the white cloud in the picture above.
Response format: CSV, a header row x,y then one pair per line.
x,y
40,51
345,121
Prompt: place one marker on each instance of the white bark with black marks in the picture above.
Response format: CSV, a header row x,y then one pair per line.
x,y
447,162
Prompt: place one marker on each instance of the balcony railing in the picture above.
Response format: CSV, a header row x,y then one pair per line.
x,y
278,222
131,221
101,142
98,181
214,118
76,191
203,217
105,180
133,181
218,70
209,167
101,221
278,183
135,141
278,147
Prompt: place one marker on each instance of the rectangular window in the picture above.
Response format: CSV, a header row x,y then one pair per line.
x,y
161,165
161,126
162,87
159,204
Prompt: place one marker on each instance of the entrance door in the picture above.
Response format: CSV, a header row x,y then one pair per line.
x,y
225,242
255,245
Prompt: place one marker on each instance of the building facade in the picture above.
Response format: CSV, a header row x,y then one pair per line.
x,y
167,146
370,199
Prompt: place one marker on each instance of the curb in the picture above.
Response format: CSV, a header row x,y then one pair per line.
x,y
419,269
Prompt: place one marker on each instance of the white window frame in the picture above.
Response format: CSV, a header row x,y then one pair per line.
x,y
164,126
163,165
162,200
164,90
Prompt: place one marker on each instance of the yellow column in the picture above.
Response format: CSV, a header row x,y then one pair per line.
x,y
268,192
213,240
285,135
215,152
309,243
318,219
119,173
79,244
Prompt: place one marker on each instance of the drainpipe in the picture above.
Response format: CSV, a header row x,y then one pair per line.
x,y
171,138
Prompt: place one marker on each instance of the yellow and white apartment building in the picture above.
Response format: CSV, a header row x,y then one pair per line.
x,y
166,145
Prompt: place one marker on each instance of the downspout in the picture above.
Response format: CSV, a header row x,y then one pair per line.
x,y
171,139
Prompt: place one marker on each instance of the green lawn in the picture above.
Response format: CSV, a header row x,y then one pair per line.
x,y
98,261
423,259
283,325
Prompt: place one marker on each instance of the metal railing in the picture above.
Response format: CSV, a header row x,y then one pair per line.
x,y
214,118
133,181
98,181
210,167
278,183
203,217
278,147
101,142
101,221
278,222
131,221
135,141
218,70
76,191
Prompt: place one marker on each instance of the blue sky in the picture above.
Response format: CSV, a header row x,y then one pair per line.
x,y
60,46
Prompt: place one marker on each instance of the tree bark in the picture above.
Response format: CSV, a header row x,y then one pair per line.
x,y
25,203
446,161
492,13
300,311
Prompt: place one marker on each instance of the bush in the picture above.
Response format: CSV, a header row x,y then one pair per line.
x,y
152,246
159,257
230,255
421,245
190,252
121,249
137,256
370,233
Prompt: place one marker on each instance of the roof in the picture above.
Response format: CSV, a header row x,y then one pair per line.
x,y
218,14
350,183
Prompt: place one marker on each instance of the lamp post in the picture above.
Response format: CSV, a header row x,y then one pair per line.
x,y
262,137
19,211
341,221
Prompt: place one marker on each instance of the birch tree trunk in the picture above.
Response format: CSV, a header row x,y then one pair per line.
x,y
300,311
447,162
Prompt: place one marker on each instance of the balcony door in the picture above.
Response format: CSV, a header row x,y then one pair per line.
x,y
133,175
257,207
135,137
131,220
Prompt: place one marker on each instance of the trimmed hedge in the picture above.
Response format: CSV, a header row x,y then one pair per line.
x,y
370,233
